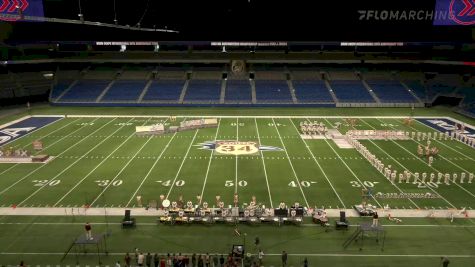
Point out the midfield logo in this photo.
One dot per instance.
(12, 133)
(236, 147)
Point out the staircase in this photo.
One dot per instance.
(253, 92)
(411, 92)
(104, 92)
(145, 90)
(223, 91)
(67, 90)
(370, 91)
(330, 90)
(183, 92)
(292, 91)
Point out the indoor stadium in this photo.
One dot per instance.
(237, 133)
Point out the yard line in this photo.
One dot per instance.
(318, 164)
(346, 165)
(236, 174)
(35, 170)
(150, 170)
(182, 162)
(433, 190)
(17, 164)
(209, 164)
(263, 164)
(97, 166)
(442, 143)
(121, 170)
(72, 164)
(468, 192)
(290, 162)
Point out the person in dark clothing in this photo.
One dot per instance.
(305, 263)
(193, 260)
(284, 258)
(221, 261)
(445, 261)
(148, 260)
(257, 242)
(200, 261)
(215, 260)
(156, 260)
(127, 260)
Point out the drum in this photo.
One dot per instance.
(166, 203)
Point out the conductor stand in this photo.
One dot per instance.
(81, 243)
(365, 231)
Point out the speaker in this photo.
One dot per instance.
(127, 215)
(128, 221)
(342, 216)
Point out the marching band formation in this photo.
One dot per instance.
(313, 128)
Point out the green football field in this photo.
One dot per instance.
(100, 162)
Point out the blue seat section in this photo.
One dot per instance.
(165, 90)
(238, 91)
(59, 88)
(203, 91)
(311, 91)
(125, 90)
(469, 93)
(351, 91)
(438, 88)
(391, 92)
(418, 88)
(272, 91)
(87, 90)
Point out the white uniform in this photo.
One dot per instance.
(462, 177)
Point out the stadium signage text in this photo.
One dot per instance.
(403, 15)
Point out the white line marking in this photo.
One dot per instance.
(430, 188)
(71, 165)
(92, 171)
(182, 163)
(468, 192)
(209, 164)
(151, 168)
(318, 164)
(348, 167)
(35, 170)
(236, 173)
(291, 165)
(263, 164)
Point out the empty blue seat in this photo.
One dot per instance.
(418, 88)
(311, 91)
(391, 92)
(59, 88)
(85, 91)
(272, 91)
(126, 90)
(238, 91)
(164, 90)
(203, 91)
(350, 91)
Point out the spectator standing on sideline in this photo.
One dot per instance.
(221, 261)
(445, 261)
(257, 241)
(163, 262)
(141, 259)
(169, 260)
(260, 256)
(305, 263)
(284, 258)
(148, 260)
(156, 260)
(193, 260)
(88, 229)
(215, 260)
(127, 259)
(22, 264)
(117, 264)
(207, 260)
(200, 261)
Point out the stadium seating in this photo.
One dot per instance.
(164, 90)
(469, 93)
(311, 91)
(391, 91)
(85, 91)
(238, 91)
(351, 91)
(418, 88)
(439, 88)
(124, 90)
(272, 91)
(203, 91)
(59, 88)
